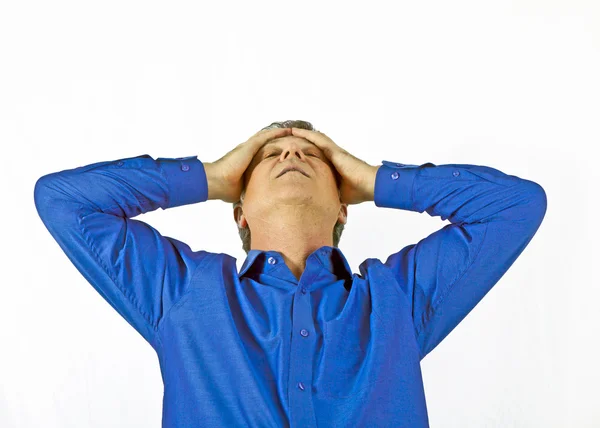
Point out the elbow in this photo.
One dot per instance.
(537, 202)
(42, 194)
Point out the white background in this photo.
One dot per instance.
(511, 85)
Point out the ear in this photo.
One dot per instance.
(343, 214)
(239, 217)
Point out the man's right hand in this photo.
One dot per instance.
(225, 176)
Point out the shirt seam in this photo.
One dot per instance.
(412, 188)
(163, 175)
(131, 298)
(442, 298)
(186, 293)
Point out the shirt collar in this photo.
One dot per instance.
(333, 262)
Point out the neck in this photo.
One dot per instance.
(293, 232)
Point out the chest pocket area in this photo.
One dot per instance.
(343, 369)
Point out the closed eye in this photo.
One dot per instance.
(309, 154)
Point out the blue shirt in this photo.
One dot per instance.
(260, 348)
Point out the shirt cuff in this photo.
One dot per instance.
(186, 180)
(394, 184)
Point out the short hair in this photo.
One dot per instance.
(245, 234)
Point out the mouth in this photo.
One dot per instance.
(286, 170)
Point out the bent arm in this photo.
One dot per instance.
(493, 218)
(89, 211)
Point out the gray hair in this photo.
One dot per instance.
(337, 229)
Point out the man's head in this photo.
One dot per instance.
(317, 188)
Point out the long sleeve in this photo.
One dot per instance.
(493, 218)
(88, 211)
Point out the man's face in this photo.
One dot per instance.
(266, 190)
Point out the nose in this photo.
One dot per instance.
(292, 149)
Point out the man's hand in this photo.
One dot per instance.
(358, 177)
(225, 176)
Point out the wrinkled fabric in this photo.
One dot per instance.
(260, 348)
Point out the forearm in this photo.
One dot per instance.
(461, 193)
(124, 187)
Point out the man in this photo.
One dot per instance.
(295, 338)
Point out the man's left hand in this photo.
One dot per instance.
(358, 177)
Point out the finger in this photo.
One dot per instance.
(262, 137)
(269, 134)
(321, 140)
(316, 137)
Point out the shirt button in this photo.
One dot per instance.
(304, 332)
(272, 260)
(303, 290)
(395, 175)
(301, 386)
(185, 167)
(399, 164)
(456, 173)
(120, 163)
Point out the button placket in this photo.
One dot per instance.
(301, 351)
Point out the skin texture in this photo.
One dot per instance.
(294, 214)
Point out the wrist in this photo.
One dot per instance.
(369, 186)
(213, 179)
